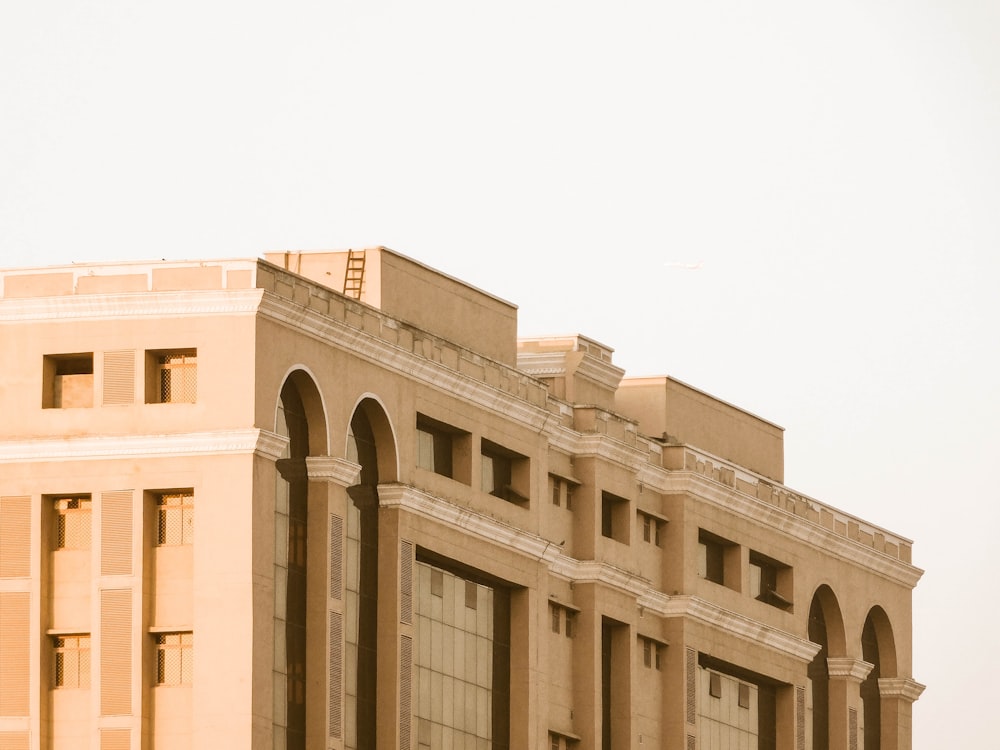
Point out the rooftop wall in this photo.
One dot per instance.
(415, 293)
(678, 413)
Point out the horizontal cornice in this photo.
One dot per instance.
(109, 447)
(813, 534)
(392, 357)
(495, 532)
(482, 527)
(131, 305)
(745, 629)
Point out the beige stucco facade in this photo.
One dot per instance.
(242, 508)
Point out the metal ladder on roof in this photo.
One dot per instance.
(354, 274)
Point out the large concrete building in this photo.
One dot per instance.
(329, 500)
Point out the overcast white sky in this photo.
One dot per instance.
(836, 169)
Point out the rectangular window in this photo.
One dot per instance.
(175, 518)
(716, 557)
(171, 376)
(770, 581)
(461, 664)
(436, 446)
(614, 514)
(72, 522)
(563, 619)
(562, 491)
(71, 662)
(652, 528)
(651, 653)
(504, 473)
(174, 658)
(68, 381)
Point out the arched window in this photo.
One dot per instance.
(370, 444)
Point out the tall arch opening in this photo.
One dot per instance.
(826, 630)
(370, 444)
(299, 418)
(877, 648)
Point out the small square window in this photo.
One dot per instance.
(174, 658)
(171, 376)
(71, 662)
(68, 381)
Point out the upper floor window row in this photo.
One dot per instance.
(170, 376)
(173, 520)
(721, 561)
(448, 451)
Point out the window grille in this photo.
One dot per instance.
(71, 665)
(174, 658)
(177, 377)
(72, 522)
(175, 518)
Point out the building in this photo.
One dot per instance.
(329, 500)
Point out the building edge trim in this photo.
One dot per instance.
(104, 447)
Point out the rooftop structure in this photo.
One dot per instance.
(329, 500)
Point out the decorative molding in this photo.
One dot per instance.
(165, 304)
(488, 529)
(753, 632)
(795, 526)
(848, 668)
(403, 361)
(900, 687)
(94, 447)
(271, 445)
(337, 470)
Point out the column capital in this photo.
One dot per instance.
(270, 444)
(900, 687)
(848, 668)
(332, 469)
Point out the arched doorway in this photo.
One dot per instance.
(300, 418)
(826, 629)
(372, 445)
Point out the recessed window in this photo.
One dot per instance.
(652, 529)
(651, 653)
(716, 557)
(614, 517)
(562, 491)
(175, 518)
(770, 581)
(563, 619)
(71, 661)
(504, 473)
(72, 522)
(68, 381)
(174, 658)
(171, 376)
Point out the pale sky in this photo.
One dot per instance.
(835, 168)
